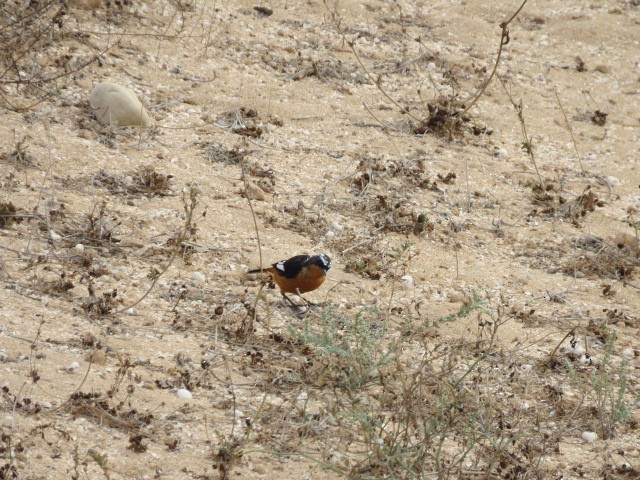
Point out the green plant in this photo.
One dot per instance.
(351, 349)
(608, 385)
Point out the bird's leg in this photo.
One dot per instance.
(309, 304)
(291, 302)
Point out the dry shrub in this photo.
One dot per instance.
(555, 205)
(145, 181)
(8, 215)
(598, 258)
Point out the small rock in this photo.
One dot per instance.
(197, 277)
(611, 181)
(336, 227)
(603, 68)
(407, 281)
(86, 134)
(254, 192)
(97, 357)
(79, 247)
(113, 104)
(73, 367)
(500, 152)
(184, 393)
(589, 436)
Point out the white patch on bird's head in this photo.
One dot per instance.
(321, 260)
(280, 265)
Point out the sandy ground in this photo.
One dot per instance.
(111, 308)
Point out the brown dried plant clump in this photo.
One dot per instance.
(145, 181)
(598, 258)
(8, 214)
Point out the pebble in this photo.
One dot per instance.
(184, 394)
(73, 367)
(113, 104)
(79, 247)
(407, 281)
(197, 277)
(612, 181)
(254, 192)
(589, 436)
(500, 152)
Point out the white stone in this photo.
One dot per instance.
(80, 247)
(589, 436)
(113, 104)
(197, 277)
(184, 393)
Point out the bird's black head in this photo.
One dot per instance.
(321, 260)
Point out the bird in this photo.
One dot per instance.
(299, 274)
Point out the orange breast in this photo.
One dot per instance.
(310, 278)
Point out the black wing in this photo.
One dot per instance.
(291, 268)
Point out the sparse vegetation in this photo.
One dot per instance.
(481, 314)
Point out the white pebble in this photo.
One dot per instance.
(527, 367)
(611, 180)
(73, 367)
(197, 277)
(55, 237)
(407, 281)
(589, 436)
(336, 226)
(431, 66)
(114, 104)
(500, 152)
(46, 405)
(79, 247)
(184, 393)
(627, 352)
(329, 234)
